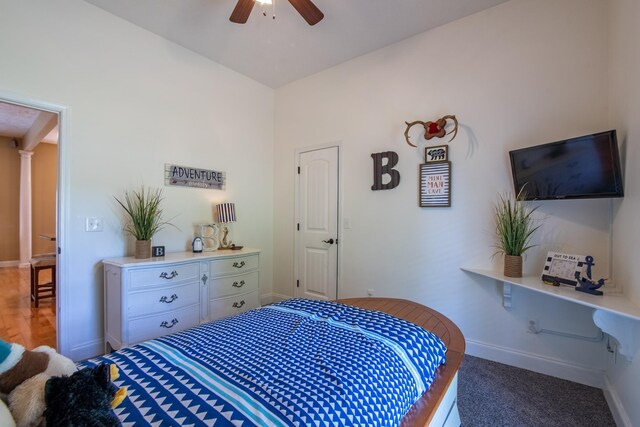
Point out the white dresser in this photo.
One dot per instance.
(148, 298)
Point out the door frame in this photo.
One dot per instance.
(62, 210)
(296, 218)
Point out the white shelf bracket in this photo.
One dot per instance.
(506, 295)
(626, 331)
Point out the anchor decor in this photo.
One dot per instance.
(435, 173)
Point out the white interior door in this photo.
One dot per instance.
(317, 228)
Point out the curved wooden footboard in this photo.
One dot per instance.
(423, 409)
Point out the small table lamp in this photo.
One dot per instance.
(226, 213)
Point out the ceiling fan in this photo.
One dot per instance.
(306, 8)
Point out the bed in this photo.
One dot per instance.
(299, 362)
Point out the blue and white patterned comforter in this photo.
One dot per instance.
(299, 362)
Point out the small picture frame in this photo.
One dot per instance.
(436, 154)
(562, 268)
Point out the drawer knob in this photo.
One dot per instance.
(204, 279)
(239, 264)
(238, 285)
(238, 304)
(166, 324)
(168, 276)
(166, 300)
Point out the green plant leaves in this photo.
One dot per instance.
(145, 214)
(514, 224)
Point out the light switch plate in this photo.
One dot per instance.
(93, 224)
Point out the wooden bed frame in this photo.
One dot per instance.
(438, 405)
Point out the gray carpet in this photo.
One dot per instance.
(493, 394)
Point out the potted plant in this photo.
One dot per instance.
(514, 229)
(145, 217)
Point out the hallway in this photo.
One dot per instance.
(20, 322)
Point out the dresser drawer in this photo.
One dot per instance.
(165, 299)
(221, 267)
(168, 274)
(146, 328)
(233, 285)
(225, 307)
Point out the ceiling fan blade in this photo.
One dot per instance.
(308, 10)
(241, 12)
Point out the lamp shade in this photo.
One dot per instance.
(226, 212)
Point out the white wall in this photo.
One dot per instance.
(136, 102)
(624, 113)
(523, 73)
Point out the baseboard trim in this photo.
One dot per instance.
(9, 264)
(537, 363)
(279, 297)
(272, 298)
(89, 349)
(620, 415)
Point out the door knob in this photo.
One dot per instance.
(330, 241)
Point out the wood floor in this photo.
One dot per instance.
(20, 321)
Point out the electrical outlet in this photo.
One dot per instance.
(370, 292)
(534, 327)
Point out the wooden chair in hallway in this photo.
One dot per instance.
(41, 290)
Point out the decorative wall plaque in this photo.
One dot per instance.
(435, 185)
(380, 170)
(185, 176)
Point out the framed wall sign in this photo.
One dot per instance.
(186, 176)
(435, 185)
(439, 153)
(562, 268)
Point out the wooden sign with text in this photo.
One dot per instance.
(185, 176)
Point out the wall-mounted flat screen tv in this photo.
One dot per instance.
(577, 168)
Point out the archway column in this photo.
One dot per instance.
(25, 208)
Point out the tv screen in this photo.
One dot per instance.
(577, 168)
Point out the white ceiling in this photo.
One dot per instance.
(16, 121)
(276, 52)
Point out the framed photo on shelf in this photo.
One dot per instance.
(562, 268)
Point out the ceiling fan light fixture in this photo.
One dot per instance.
(306, 8)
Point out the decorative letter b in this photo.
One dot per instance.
(379, 170)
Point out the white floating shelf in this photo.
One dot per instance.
(614, 313)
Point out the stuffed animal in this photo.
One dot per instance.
(23, 375)
(84, 398)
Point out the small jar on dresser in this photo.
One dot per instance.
(145, 299)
